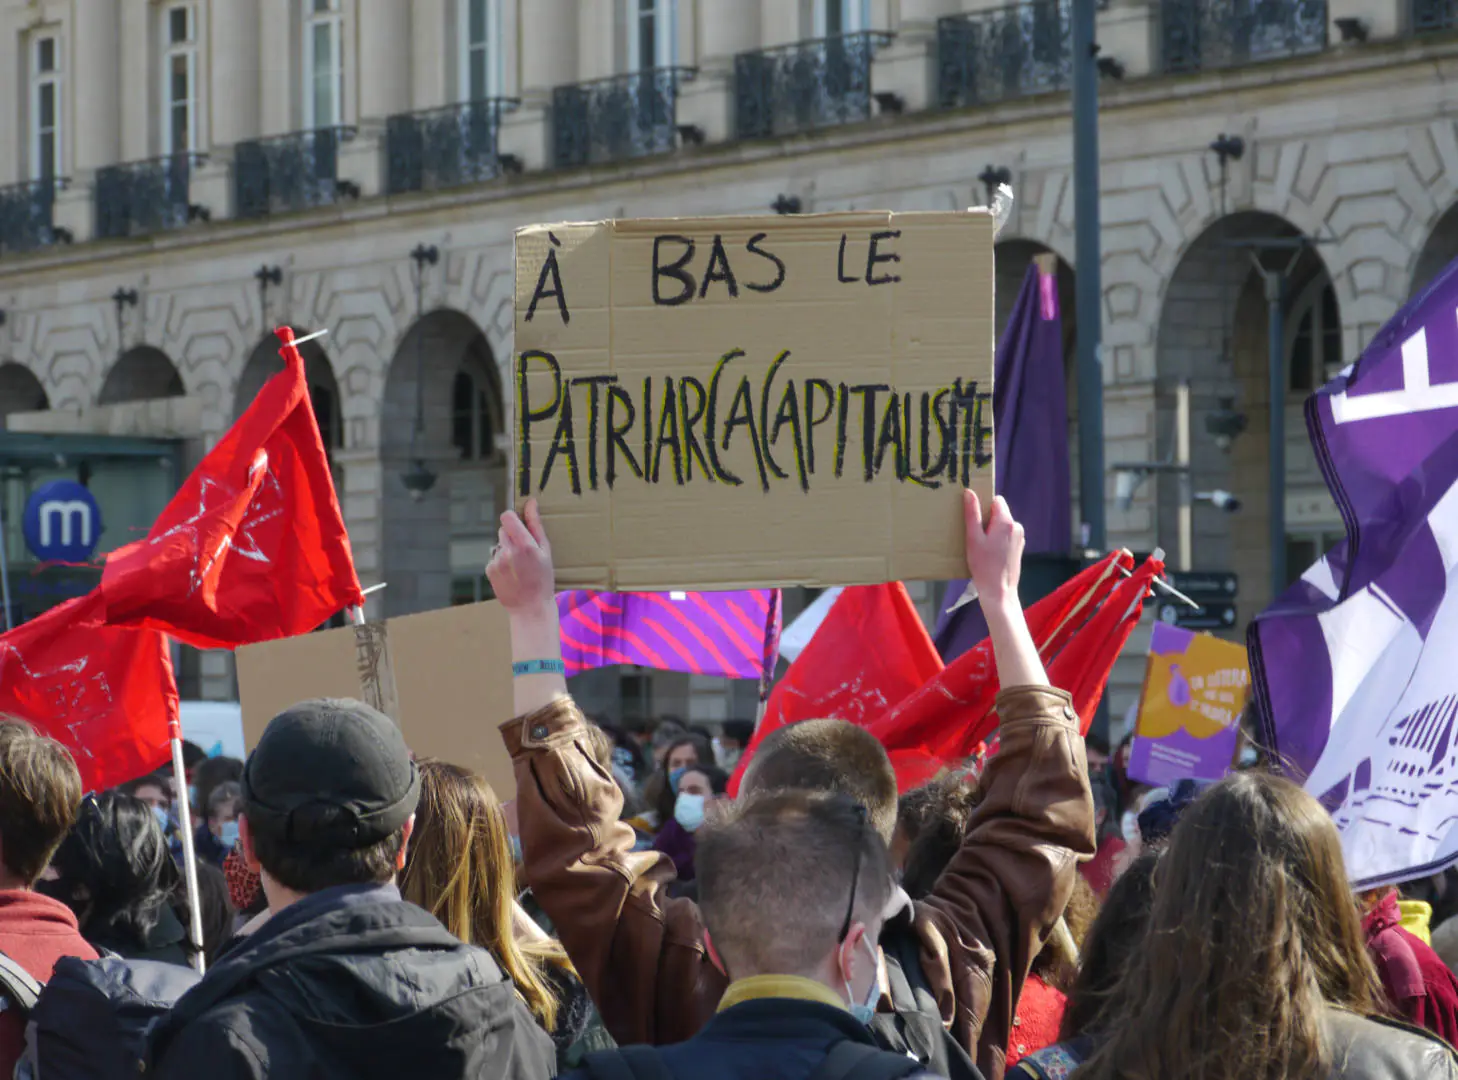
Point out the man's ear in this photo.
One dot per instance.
(714, 954)
(405, 843)
(245, 841)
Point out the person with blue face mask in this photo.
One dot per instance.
(793, 886)
(698, 789)
(217, 835)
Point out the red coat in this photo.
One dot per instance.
(1036, 1020)
(1102, 869)
(35, 932)
(1422, 989)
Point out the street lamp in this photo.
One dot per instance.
(419, 478)
(1128, 476)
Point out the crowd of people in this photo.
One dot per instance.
(368, 914)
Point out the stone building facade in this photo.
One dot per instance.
(178, 177)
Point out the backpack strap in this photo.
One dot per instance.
(627, 1063)
(851, 1060)
(18, 985)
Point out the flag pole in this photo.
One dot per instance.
(189, 852)
(4, 576)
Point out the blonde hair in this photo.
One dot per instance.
(460, 869)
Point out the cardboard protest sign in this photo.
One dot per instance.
(716, 403)
(1195, 686)
(445, 676)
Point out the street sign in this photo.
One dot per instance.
(1206, 584)
(61, 522)
(1213, 614)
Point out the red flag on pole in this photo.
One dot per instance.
(870, 670)
(871, 651)
(953, 712)
(107, 693)
(253, 545)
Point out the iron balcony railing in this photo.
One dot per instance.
(1430, 15)
(140, 197)
(288, 172)
(614, 119)
(1201, 35)
(444, 148)
(27, 215)
(804, 86)
(1008, 52)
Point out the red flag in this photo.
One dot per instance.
(253, 546)
(871, 669)
(870, 652)
(949, 716)
(106, 692)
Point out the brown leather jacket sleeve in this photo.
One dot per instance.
(995, 903)
(640, 953)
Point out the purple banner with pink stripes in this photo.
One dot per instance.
(735, 634)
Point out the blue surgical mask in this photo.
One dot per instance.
(164, 819)
(229, 835)
(864, 1011)
(688, 811)
(191, 794)
(674, 777)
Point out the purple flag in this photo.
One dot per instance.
(1030, 448)
(735, 634)
(1353, 666)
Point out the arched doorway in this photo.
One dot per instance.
(1214, 330)
(1441, 249)
(265, 362)
(20, 391)
(142, 373)
(1013, 257)
(445, 475)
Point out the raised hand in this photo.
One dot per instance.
(520, 570)
(994, 552)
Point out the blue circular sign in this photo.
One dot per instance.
(62, 522)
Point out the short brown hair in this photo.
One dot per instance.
(308, 868)
(828, 755)
(775, 879)
(40, 791)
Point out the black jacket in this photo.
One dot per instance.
(763, 1039)
(165, 941)
(352, 983)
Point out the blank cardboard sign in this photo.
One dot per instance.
(451, 674)
(718, 403)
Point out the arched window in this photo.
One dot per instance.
(472, 431)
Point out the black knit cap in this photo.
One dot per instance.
(330, 773)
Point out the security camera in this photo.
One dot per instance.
(1220, 500)
(1126, 482)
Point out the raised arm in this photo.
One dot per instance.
(1000, 895)
(639, 953)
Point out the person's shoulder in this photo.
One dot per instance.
(1382, 1046)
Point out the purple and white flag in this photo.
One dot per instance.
(735, 634)
(1355, 667)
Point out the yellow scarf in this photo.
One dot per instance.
(1417, 918)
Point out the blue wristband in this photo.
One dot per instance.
(539, 667)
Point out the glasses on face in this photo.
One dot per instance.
(850, 908)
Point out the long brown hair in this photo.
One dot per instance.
(460, 869)
(1253, 932)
